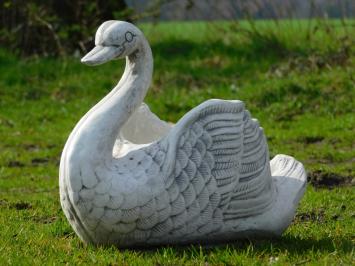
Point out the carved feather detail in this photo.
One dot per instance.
(204, 179)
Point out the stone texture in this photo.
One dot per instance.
(127, 178)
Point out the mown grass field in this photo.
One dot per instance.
(296, 77)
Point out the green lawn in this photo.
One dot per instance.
(299, 86)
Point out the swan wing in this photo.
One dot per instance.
(255, 191)
(218, 159)
(203, 157)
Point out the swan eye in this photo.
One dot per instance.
(129, 36)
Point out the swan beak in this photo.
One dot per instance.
(100, 54)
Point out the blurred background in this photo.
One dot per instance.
(66, 27)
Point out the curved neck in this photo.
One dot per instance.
(96, 135)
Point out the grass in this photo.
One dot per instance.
(301, 89)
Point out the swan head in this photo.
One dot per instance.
(114, 39)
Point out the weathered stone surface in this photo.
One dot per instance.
(128, 178)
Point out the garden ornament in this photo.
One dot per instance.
(129, 179)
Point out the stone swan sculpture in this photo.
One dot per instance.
(129, 179)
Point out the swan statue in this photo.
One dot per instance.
(129, 179)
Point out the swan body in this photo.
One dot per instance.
(129, 179)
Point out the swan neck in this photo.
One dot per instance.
(105, 120)
(133, 86)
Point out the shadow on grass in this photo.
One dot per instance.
(292, 246)
(288, 244)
